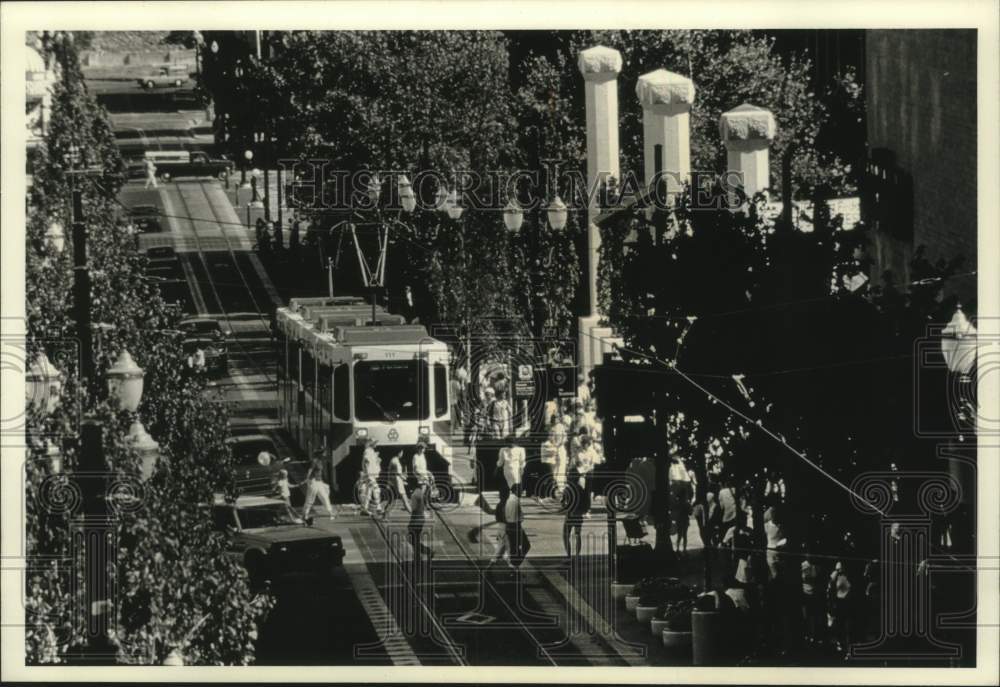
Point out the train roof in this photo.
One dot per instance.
(326, 324)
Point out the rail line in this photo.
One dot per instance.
(463, 562)
(192, 221)
(454, 651)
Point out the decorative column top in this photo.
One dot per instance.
(747, 123)
(599, 62)
(661, 87)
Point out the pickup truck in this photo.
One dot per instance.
(181, 163)
(174, 75)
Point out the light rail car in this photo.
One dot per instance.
(343, 379)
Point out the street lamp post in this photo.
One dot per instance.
(248, 159)
(93, 531)
(959, 343)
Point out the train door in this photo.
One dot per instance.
(307, 396)
(341, 428)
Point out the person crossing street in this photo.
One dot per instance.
(371, 469)
(419, 517)
(316, 488)
(150, 167)
(511, 461)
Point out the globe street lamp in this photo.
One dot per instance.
(557, 214)
(441, 201)
(55, 235)
(53, 458)
(513, 216)
(145, 446)
(958, 344)
(407, 199)
(374, 188)
(453, 207)
(248, 156)
(125, 382)
(43, 384)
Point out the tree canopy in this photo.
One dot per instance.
(176, 588)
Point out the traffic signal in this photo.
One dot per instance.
(562, 382)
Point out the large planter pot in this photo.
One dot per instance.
(677, 642)
(706, 637)
(631, 602)
(644, 613)
(618, 591)
(657, 626)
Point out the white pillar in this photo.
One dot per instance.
(600, 67)
(747, 132)
(666, 100)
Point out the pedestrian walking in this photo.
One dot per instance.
(681, 495)
(584, 462)
(371, 470)
(501, 415)
(513, 542)
(727, 502)
(553, 459)
(419, 516)
(316, 488)
(282, 488)
(419, 465)
(511, 461)
(840, 614)
(398, 480)
(775, 540)
(150, 173)
(576, 504)
(813, 616)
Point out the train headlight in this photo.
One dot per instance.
(361, 433)
(360, 356)
(424, 431)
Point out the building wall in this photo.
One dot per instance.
(921, 98)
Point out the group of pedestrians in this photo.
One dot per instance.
(369, 488)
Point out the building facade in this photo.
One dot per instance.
(920, 186)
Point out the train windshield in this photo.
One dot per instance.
(391, 390)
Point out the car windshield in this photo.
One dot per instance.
(391, 390)
(267, 515)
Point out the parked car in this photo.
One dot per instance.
(135, 142)
(182, 163)
(162, 260)
(208, 327)
(146, 218)
(173, 75)
(272, 541)
(253, 476)
(216, 353)
(172, 290)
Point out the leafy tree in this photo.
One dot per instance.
(176, 589)
(767, 319)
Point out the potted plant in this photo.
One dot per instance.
(670, 596)
(639, 589)
(677, 631)
(656, 592)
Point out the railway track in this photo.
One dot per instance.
(206, 267)
(476, 610)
